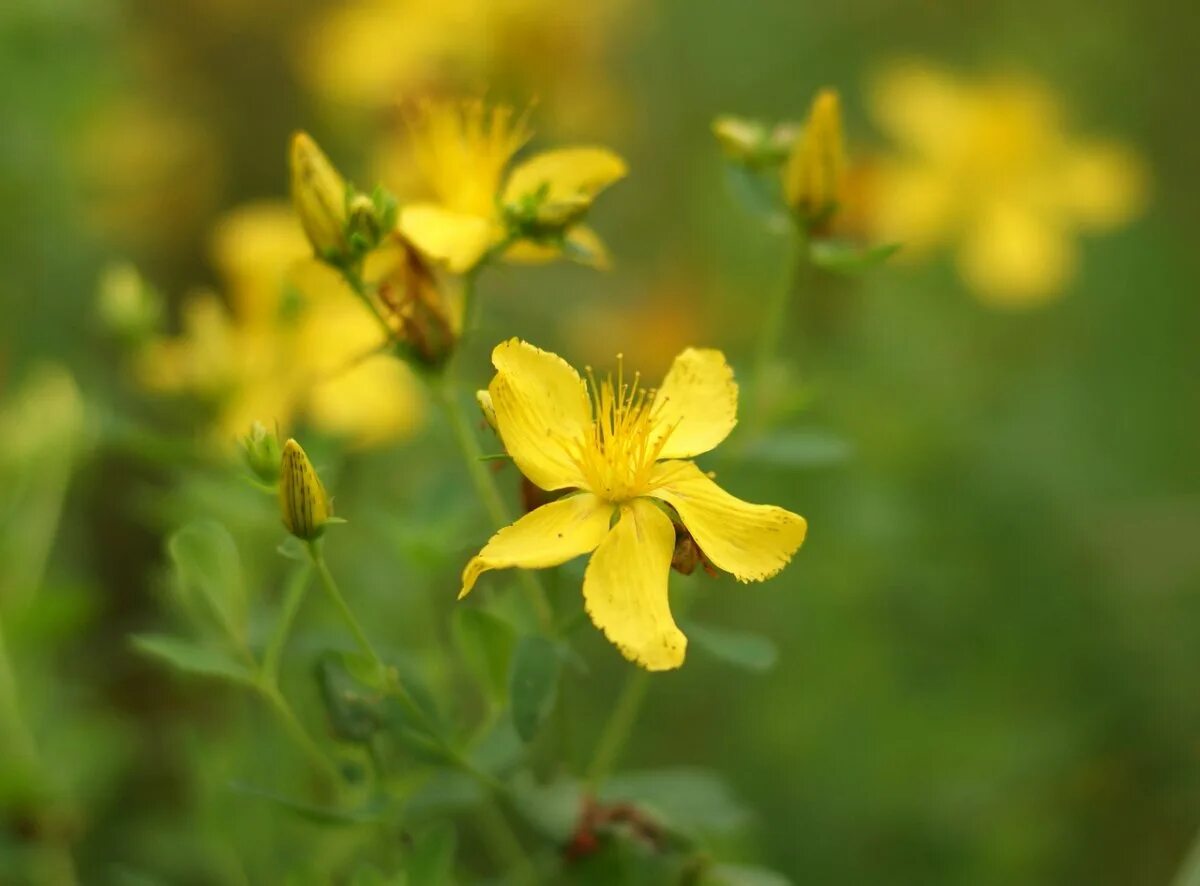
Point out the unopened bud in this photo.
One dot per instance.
(319, 195)
(815, 176)
(127, 306)
(302, 500)
(428, 313)
(484, 399)
(751, 143)
(260, 452)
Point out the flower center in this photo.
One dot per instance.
(619, 449)
(462, 149)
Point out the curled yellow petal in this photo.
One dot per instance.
(566, 180)
(625, 588)
(302, 499)
(548, 536)
(751, 542)
(696, 407)
(542, 411)
(456, 239)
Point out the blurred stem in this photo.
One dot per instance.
(620, 724)
(1189, 872)
(339, 603)
(292, 600)
(774, 322)
(296, 730)
(504, 845)
(353, 276)
(19, 741)
(489, 493)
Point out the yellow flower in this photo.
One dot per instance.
(303, 503)
(814, 178)
(625, 453)
(991, 167)
(292, 341)
(463, 150)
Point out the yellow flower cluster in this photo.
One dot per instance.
(289, 341)
(991, 168)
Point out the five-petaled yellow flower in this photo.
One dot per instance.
(624, 453)
(462, 150)
(992, 166)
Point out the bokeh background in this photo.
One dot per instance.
(986, 660)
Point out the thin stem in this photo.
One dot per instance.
(353, 277)
(489, 493)
(503, 843)
(12, 720)
(280, 705)
(773, 324)
(339, 602)
(620, 724)
(292, 600)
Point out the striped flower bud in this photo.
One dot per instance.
(302, 500)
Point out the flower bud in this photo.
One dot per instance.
(751, 143)
(260, 452)
(484, 399)
(126, 305)
(815, 175)
(426, 310)
(319, 195)
(302, 500)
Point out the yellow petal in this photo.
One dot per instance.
(697, 403)
(455, 239)
(625, 588)
(550, 535)
(921, 106)
(752, 542)
(1015, 256)
(1105, 184)
(569, 175)
(541, 409)
(372, 401)
(583, 245)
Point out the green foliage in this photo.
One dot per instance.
(192, 658)
(209, 576)
(533, 686)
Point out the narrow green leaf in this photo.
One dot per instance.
(208, 568)
(848, 258)
(486, 644)
(355, 709)
(743, 649)
(534, 684)
(374, 811)
(191, 658)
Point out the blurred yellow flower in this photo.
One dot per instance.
(991, 166)
(625, 453)
(462, 150)
(292, 341)
(364, 53)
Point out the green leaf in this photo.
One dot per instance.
(742, 875)
(743, 649)
(848, 258)
(486, 644)
(208, 568)
(534, 684)
(759, 195)
(796, 448)
(186, 656)
(689, 801)
(431, 860)
(355, 708)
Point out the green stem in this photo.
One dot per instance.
(283, 709)
(774, 322)
(12, 722)
(620, 724)
(489, 493)
(339, 603)
(353, 277)
(292, 600)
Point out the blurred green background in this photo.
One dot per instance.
(987, 668)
